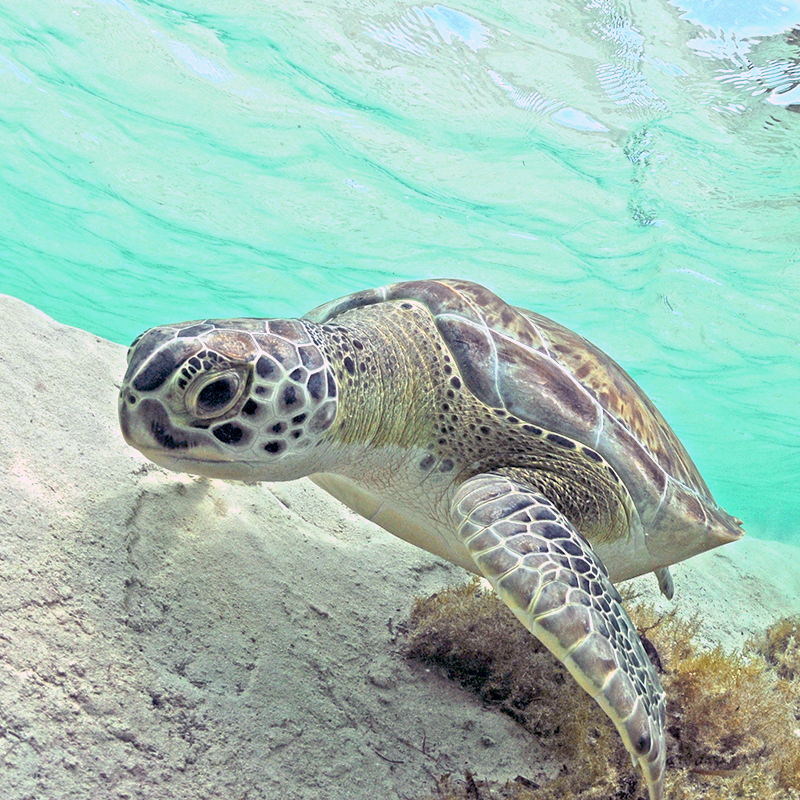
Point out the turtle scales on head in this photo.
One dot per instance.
(486, 434)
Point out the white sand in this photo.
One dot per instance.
(170, 637)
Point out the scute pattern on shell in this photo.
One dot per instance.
(620, 396)
(544, 373)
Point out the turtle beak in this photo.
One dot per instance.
(146, 425)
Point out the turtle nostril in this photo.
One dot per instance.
(131, 399)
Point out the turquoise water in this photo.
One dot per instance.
(630, 169)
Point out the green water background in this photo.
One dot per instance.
(630, 169)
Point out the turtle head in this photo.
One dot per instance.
(239, 399)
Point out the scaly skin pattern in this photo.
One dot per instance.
(453, 421)
(548, 575)
(391, 357)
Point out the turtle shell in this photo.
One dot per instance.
(543, 373)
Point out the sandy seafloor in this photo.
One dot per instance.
(170, 637)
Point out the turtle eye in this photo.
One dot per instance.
(213, 395)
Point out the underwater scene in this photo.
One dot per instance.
(631, 170)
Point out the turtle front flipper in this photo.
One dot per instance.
(549, 576)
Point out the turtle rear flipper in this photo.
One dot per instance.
(549, 576)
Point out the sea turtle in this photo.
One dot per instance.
(486, 434)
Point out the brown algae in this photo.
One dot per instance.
(733, 727)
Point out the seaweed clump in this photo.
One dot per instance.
(733, 718)
(781, 647)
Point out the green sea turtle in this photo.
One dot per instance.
(486, 434)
